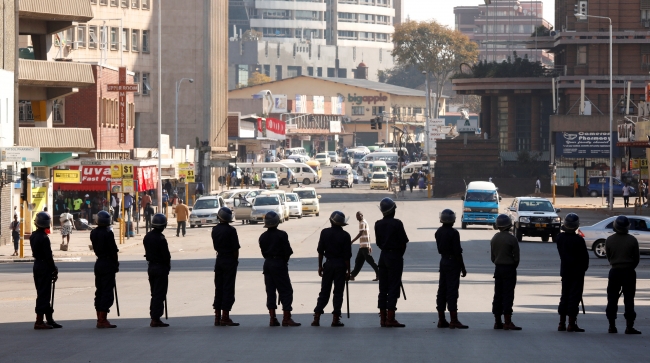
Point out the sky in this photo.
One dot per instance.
(443, 10)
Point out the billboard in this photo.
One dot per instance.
(319, 105)
(301, 104)
(279, 104)
(584, 144)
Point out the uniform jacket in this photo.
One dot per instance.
(225, 240)
(104, 245)
(156, 248)
(274, 244)
(390, 235)
(335, 244)
(622, 250)
(504, 249)
(41, 250)
(574, 257)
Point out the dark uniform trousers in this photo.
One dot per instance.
(505, 279)
(572, 288)
(391, 265)
(363, 256)
(448, 285)
(276, 278)
(625, 279)
(43, 282)
(333, 272)
(104, 284)
(158, 282)
(225, 273)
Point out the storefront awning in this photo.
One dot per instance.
(60, 139)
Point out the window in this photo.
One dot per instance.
(381, 37)
(310, 71)
(146, 4)
(378, 110)
(146, 87)
(114, 38)
(366, 18)
(319, 72)
(345, 34)
(114, 2)
(331, 72)
(294, 71)
(136, 4)
(267, 70)
(349, 17)
(358, 110)
(94, 2)
(81, 36)
(92, 37)
(145, 41)
(242, 75)
(276, 32)
(103, 2)
(125, 3)
(136, 80)
(278, 73)
(135, 40)
(125, 39)
(25, 111)
(57, 111)
(343, 73)
(582, 54)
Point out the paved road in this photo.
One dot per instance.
(193, 338)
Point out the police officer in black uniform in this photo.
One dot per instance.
(574, 262)
(159, 258)
(504, 251)
(336, 245)
(276, 250)
(45, 272)
(226, 243)
(623, 254)
(106, 266)
(451, 268)
(391, 239)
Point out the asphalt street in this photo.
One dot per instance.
(192, 338)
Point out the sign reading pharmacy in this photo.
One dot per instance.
(584, 144)
(20, 154)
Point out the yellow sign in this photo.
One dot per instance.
(127, 171)
(189, 178)
(67, 176)
(127, 186)
(116, 171)
(39, 201)
(186, 172)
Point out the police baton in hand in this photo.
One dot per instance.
(347, 296)
(403, 293)
(53, 288)
(166, 318)
(117, 302)
(582, 301)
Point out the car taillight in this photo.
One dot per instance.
(581, 234)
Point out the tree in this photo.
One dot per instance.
(434, 48)
(403, 76)
(258, 78)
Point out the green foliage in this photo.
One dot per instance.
(403, 76)
(520, 67)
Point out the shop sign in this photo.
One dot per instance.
(437, 122)
(367, 99)
(116, 171)
(127, 186)
(279, 103)
(65, 176)
(305, 137)
(335, 127)
(39, 201)
(20, 154)
(272, 128)
(467, 126)
(186, 172)
(584, 144)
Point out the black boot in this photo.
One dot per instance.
(630, 327)
(336, 321)
(562, 325)
(442, 320)
(273, 320)
(51, 322)
(573, 325)
(612, 326)
(316, 321)
(498, 324)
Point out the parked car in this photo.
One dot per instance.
(534, 217)
(597, 234)
(264, 204)
(379, 180)
(230, 195)
(252, 194)
(323, 159)
(270, 179)
(295, 205)
(355, 177)
(597, 185)
(334, 157)
(242, 210)
(309, 199)
(205, 210)
(283, 201)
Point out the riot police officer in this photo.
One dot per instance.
(226, 243)
(106, 266)
(452, 267)
(505, 256)
(391, 239)
(159, 259)
(45, 272)
(574, 262)
(623, 254)
(276, 250)
(336, 245)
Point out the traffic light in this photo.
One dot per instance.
(580, 8)
(373, 123)
(23, 183)
(379, 122)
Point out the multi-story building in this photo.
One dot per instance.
(504, 27)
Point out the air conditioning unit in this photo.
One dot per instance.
(75, 45)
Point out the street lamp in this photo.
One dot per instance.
(178, 88)
(611, 104)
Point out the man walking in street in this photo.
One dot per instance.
(626, 195)
(182, 214)
(276, 251)
(574, 262)
(226, 243)
(504, 250)
(335, 245)
(106, 266)
(623, 254)
(365, 250)
(14, 227)
(391, 239)
(452, 267)
(159, 259)
(45, 271)
(538, 187)
(128, 204)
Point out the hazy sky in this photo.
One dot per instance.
(443, 10)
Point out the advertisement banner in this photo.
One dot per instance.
(186, 172)
(97, 177)
(116, 171)
(279, 104)
(127, 171)
(127, 186)
(301, 104)
(67, 176)
(319, 105)
(20, 154)
(336, 104)
(39, 201)
(584, 144)
(467, 126)
(274, 129)
(335, 127)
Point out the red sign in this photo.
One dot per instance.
(275, 129)
(122, 88)
(97, 178)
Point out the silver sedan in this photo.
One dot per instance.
(596, 235)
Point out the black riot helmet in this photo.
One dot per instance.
(42, 220)
(103, 218)
(271, 219)
(571, 222)
(503, 222)
(447, 216)
(621, 225)
(387, 206)
(225, 215)
(338, 219)
(159, 221)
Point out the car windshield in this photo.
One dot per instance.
(536, 206)
(333, 153)
(481, 196)
(379, 176)
(292, 198)
(253, 194)
(227, 195)
(340, 172)
(268, 175)
(321, 156)
(261, 201)
(306, 194)
(358, 156)
(206, 204)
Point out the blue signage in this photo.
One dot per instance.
(584, 144)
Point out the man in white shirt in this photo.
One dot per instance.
(626, 195)
(538, 186)
(365, 249)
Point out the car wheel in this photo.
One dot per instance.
(599, 249)
(463, 225)
(283, 181)
(192, 226)
(253, 222)
(317, 214)
(545, 238)
(518, 234)
(199, 226)
(593, 193)
(300, 216)
(306, 181)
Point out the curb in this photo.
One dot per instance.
(56, 259)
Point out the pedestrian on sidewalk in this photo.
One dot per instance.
(182, 214)
(14, 227)
(412, 182)
(115, 204)
(128, 204)
(538, 186)
(144, 201)
(626, 195)
(504, 251)
(226, 243)
(106, 266)
(578, 189)
(45, 272)
(165, 200)
(148, 215)
(67, 221)
(159, 259)
(365, 249)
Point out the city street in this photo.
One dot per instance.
(192, 337)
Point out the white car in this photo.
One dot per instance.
(597, 234)
(334, 157)
(270, 179)
(252, 194)
(264, 204)
(205, 210)
(534, 217)
(230, 195)
(295, 205)
(309, 199)
(379, 180)
(323, 159)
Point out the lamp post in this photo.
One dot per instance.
(178, 88)
(611, 105)
(159, 191)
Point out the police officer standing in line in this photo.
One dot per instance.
(505, 256)
(276, 250)
(451, 268)
(159, 258)
(226, 243)
(391, 239)
(336, 245)
(623, 254)
(574, 262)
(45, 272)
(106, 266)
